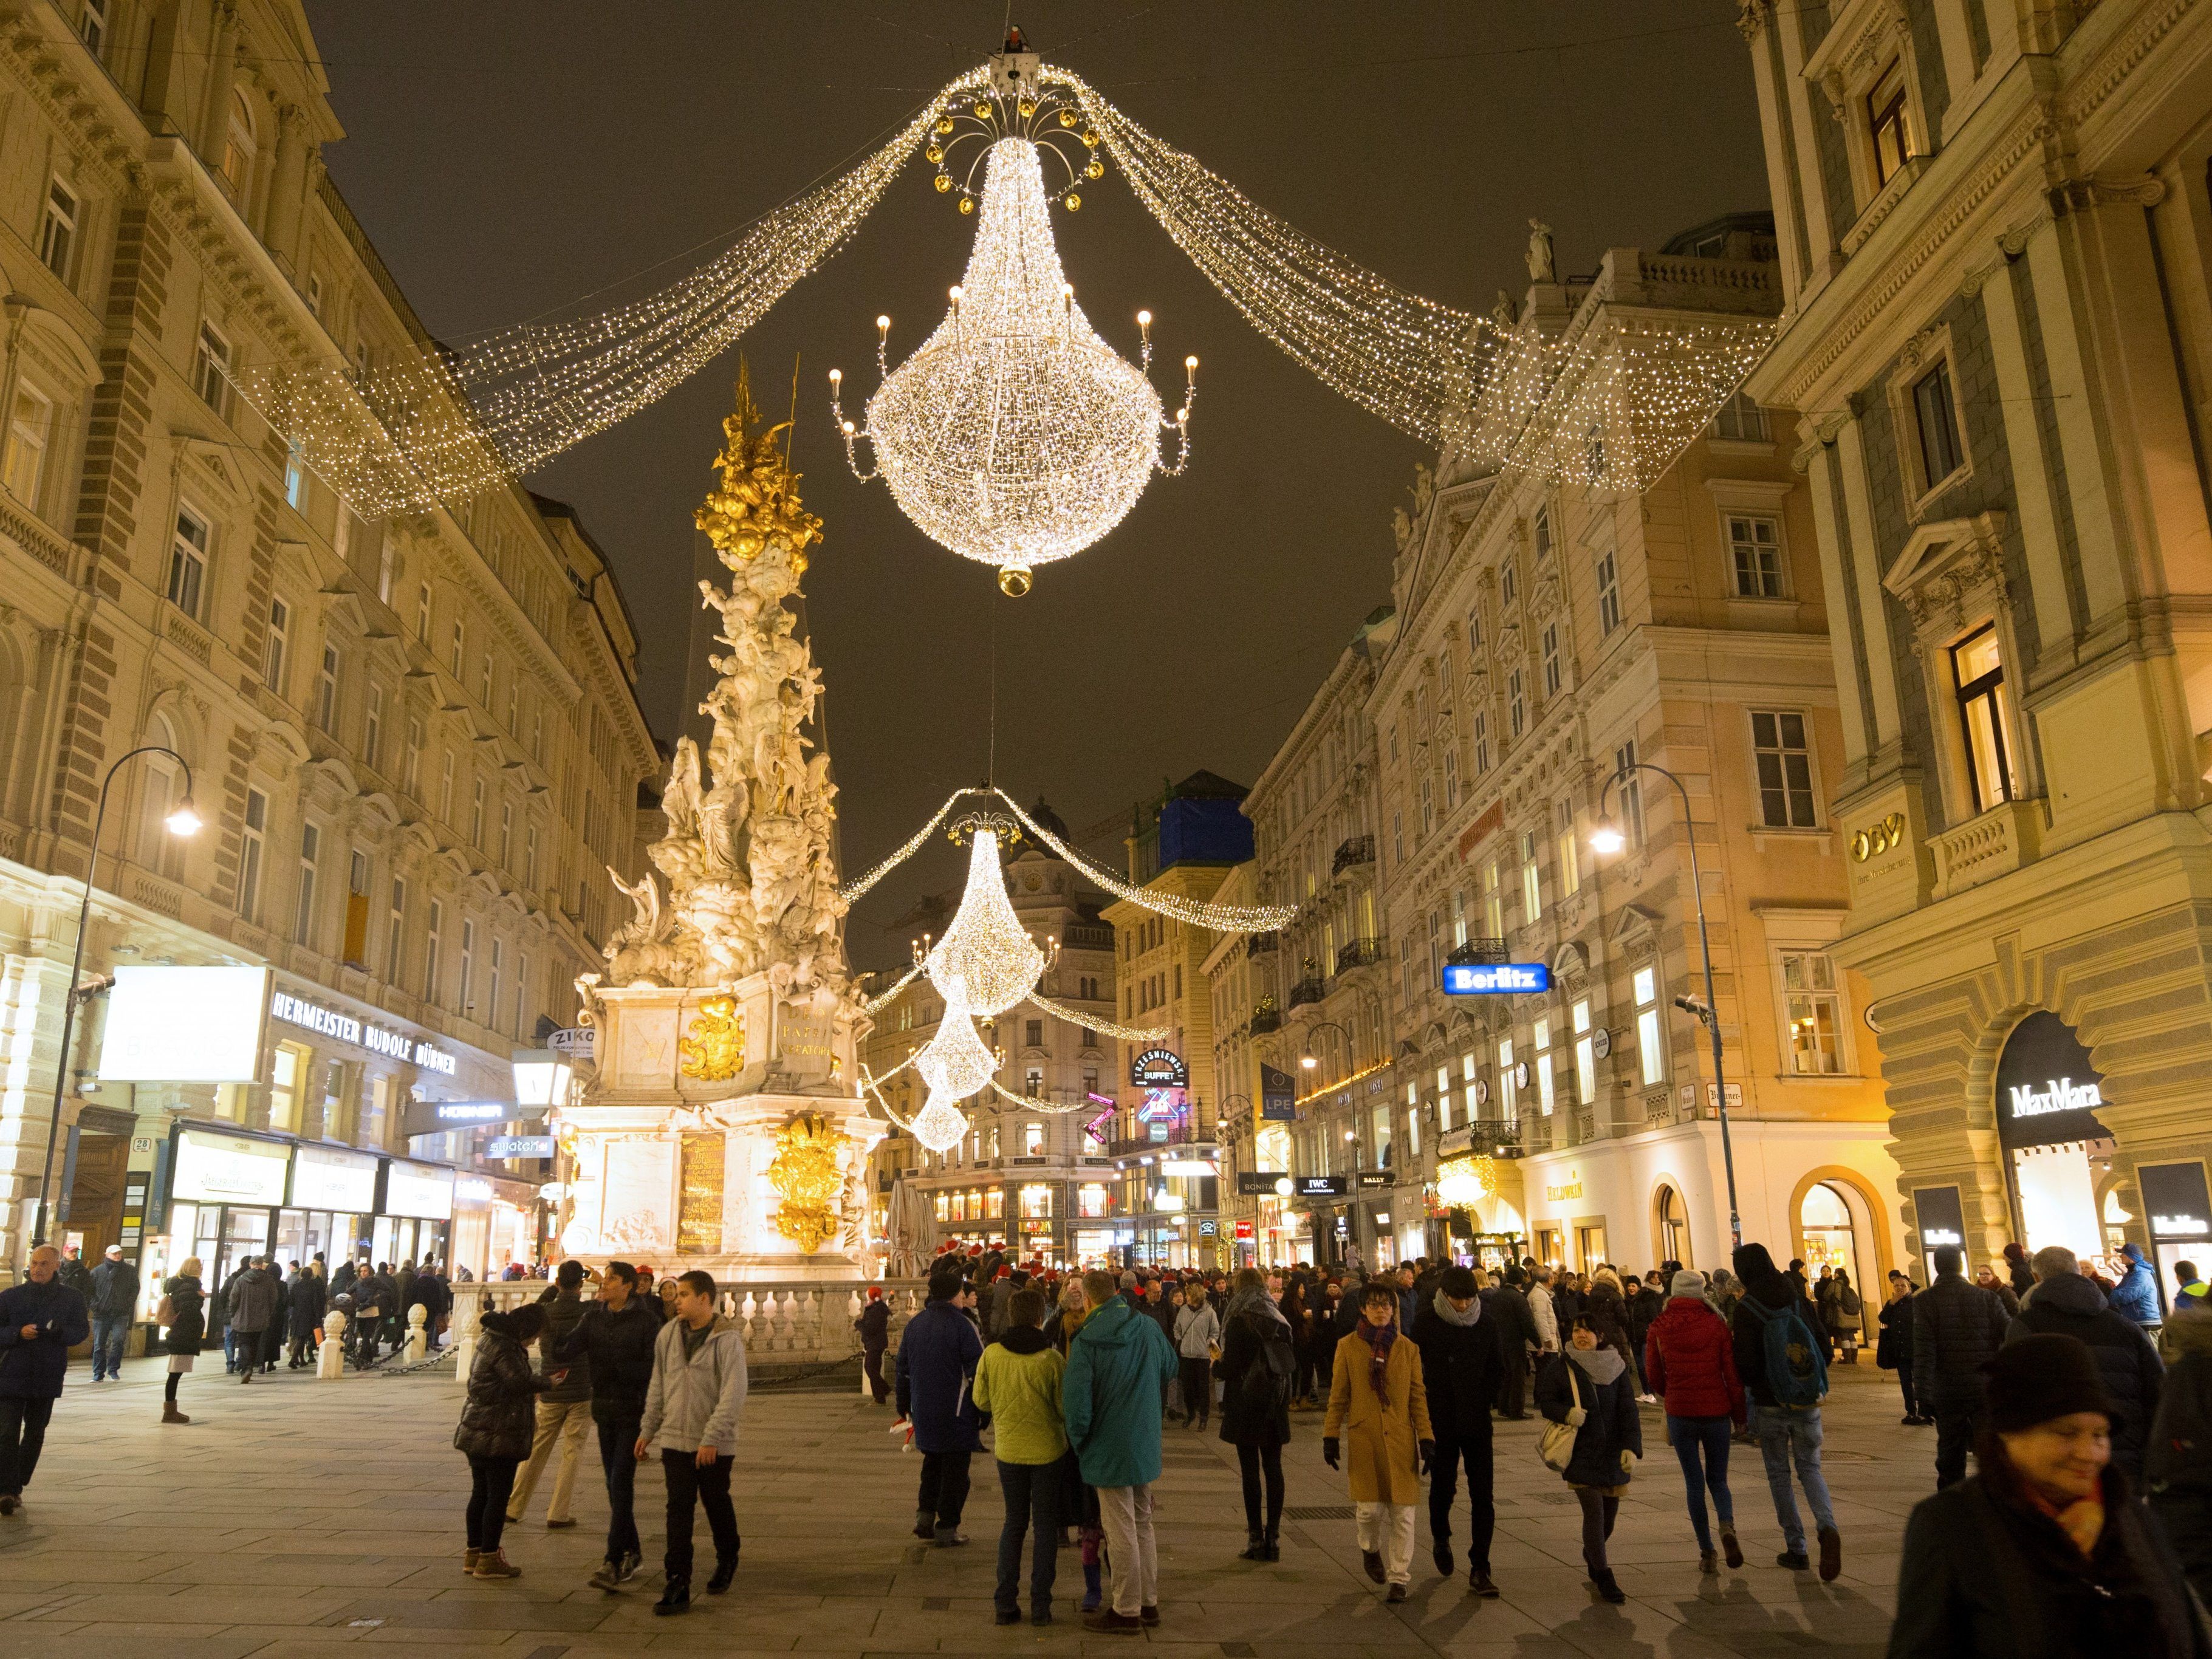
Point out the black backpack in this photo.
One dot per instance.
(1271, 1380)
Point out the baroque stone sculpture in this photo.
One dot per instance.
(752, 881)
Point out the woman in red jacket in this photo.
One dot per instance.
(1689, 1362)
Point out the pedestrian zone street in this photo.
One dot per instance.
(292, 1514)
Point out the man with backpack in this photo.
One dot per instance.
(1957, 1329)
(1781, 1359)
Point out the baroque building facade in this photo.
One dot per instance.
(416, 743)
(1992, 223)
(1434, 807)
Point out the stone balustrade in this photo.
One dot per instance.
(784, 1322)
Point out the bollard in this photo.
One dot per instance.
(329, 1356)
(418, 1340)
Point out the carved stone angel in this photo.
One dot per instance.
(1543, 261)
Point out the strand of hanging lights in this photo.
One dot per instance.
(1606, 406)
(1222, 918)
(1092, 1022)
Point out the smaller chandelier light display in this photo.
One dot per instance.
(1015, 436)
(986, 962)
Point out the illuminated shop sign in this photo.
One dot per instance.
(377, 1039)
(1159, 1068)
(2176, 1197)
(1475, 979)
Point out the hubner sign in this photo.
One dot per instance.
(377, 1039)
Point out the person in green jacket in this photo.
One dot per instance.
(1018, 1382)
(1117, 1366)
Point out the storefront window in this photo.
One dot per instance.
(952, 1206)
(1092, 1199)
(995, 1203)
(1036, 1203)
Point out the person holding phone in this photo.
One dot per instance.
(40, 1320)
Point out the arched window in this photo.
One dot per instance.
(239, 146)
(1673, 1228)
(161, 789)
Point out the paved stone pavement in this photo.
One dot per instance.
(292, 1514)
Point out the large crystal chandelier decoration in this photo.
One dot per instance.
(1015, 436)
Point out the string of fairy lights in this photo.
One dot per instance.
(1608, 407)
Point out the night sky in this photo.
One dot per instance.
(552, 157)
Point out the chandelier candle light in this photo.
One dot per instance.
(1015, 436)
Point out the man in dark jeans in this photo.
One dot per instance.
(1957, 1327)
(937, 1358)
(1462, 1366)
(617, 1332)
(40, 1320)
(114, 1305)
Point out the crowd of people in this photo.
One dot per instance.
(2082, 1394)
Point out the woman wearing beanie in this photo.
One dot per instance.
(1594, 1379)
(498, 1421)
(1689, 1362)
(2041, 1553)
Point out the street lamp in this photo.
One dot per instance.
(1606, 838)
(1308, 1060)
(181, 821)
(541, 1078)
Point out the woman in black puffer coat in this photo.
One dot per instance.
(187, 1329)
(497, 1425)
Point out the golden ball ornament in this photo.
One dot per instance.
(1090, 139)
(944, 182)
(934, 154)
(1096, 170)
(1073, 201)
(967, 204)
(1027, 108)
(945, 123)
(1014, 581)
(983, 109)
(1067, 117)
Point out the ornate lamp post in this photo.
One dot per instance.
(1605, 838)
(182, 820)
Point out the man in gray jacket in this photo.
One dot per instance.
(253, 1297)
(692, 1412)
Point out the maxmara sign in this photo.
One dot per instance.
(2059, 1095)
(377, 1039)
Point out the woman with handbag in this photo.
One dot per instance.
(1595, 1437)
(183, 1316)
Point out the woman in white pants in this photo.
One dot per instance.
(1378, 1403)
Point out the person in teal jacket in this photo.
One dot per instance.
(1117, 1367)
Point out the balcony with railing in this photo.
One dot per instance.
(1494, 1137)
(1265, 1020)
(1479, 953)
(1087, 936)
(1353, 851)
(1357, 953)
(1309, 989)
(1260, 945)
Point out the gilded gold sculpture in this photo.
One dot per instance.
(805, 1172)
(758, 498)
(715, 1050)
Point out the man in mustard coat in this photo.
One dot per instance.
(1376, 1394)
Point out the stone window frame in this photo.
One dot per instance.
(1951, 580)
(1809, 930)
(1758, 498)
(1865, 39)
(1921, 354)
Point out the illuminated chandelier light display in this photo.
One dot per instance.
(986, 962)
(1015, 436)
(1609, 407)
(939, 1126)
